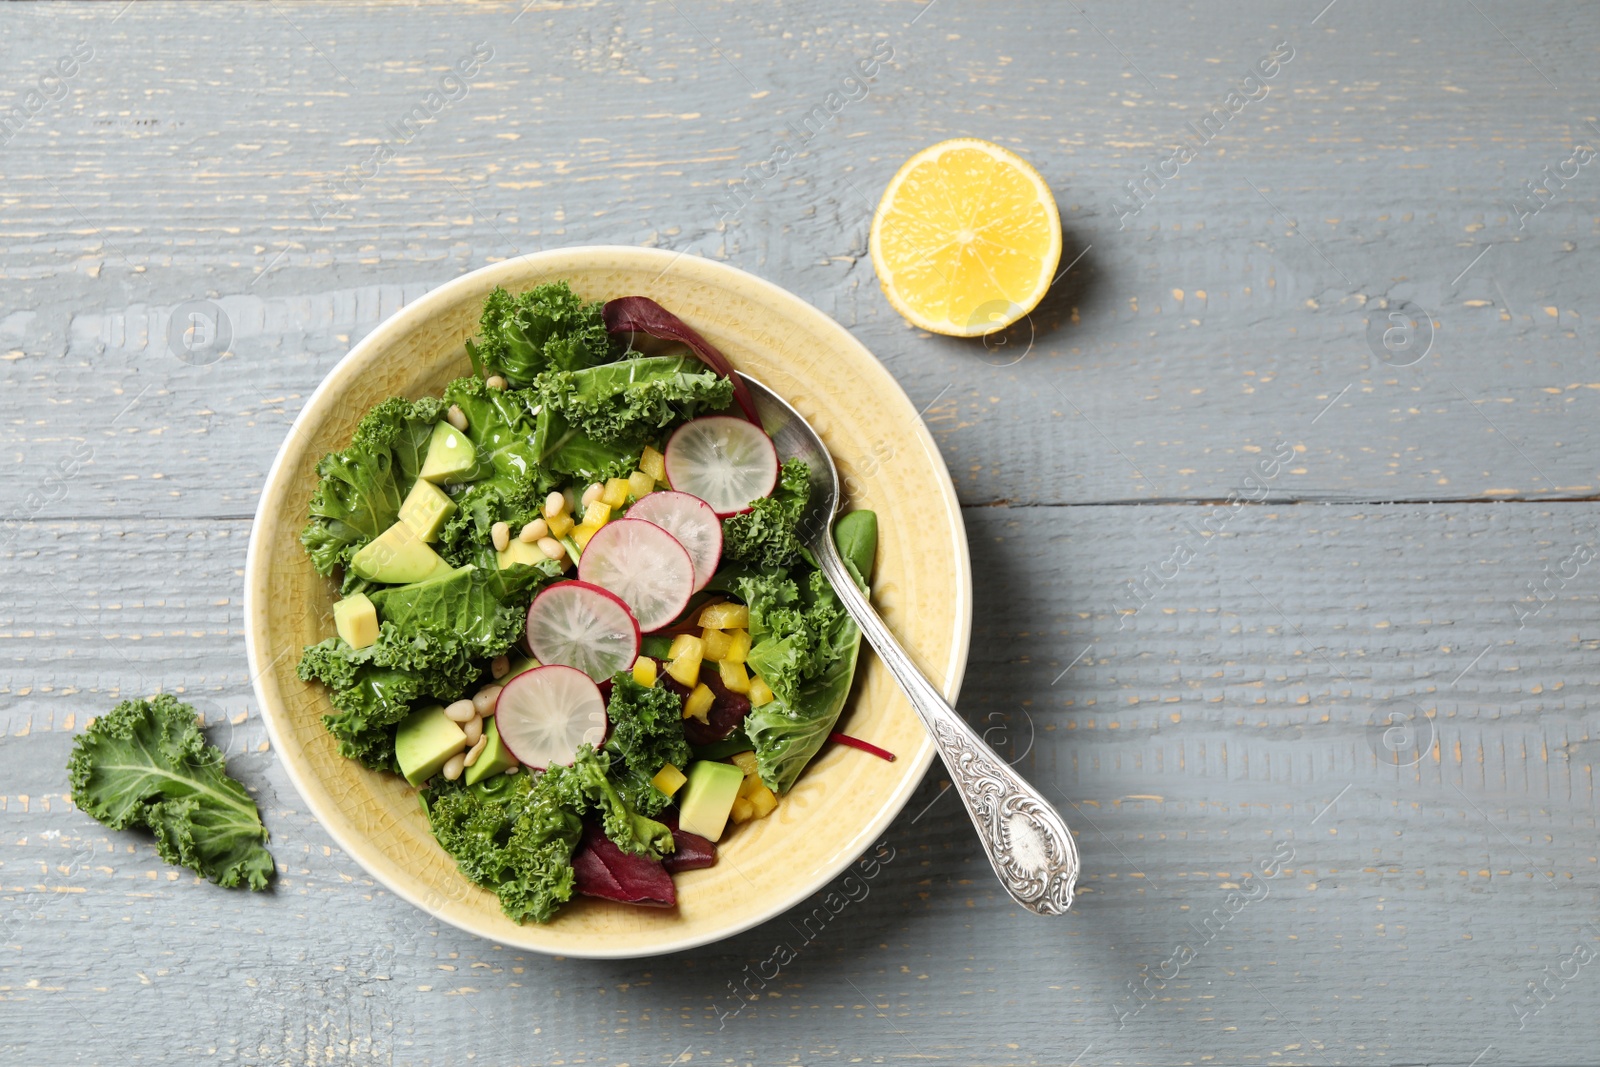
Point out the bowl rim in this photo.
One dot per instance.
(274, 486)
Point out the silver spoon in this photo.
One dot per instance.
(1028, 843)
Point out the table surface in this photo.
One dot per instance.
(1281, 507)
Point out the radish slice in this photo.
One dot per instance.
(692, 522)
(644, 565)
(725, 461)
(543, 715)
(576, 624)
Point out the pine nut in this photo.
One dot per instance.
(591, 494)
(513, 770)
(554, 504)
(473, 728)
(552, 548)
(460, 711)
(494, 381)
(475, 751)
(483, 702)
(455, 765)
(534, 530)
(499, 666)
(500, 534)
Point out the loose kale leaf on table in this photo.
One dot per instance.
(147, 764)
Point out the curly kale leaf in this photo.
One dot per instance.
(547, 327)
(646, 733)
(361, 488)
(631, 401)
(511, 834)
(147, 764)
(768, 534)
(587, 786)
(432, 639)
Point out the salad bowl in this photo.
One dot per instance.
(840, 807)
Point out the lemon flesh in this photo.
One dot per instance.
(966, 238)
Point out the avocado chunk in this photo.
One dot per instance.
(519, 551)
(427, 509)
(423, 742)
(450, 455)
(519, 666)
(708, 798)
(494, 759)
(356, 620)
(398, 556)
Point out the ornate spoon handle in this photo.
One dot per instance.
(1028, 843)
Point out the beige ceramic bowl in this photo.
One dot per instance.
(844, 800)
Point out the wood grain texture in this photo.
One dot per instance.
(1364, 697)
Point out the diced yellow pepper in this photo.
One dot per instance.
(745, 761)
(752, 782)
(640, 484)
(717, 644)
(725, 616)
(683, 643)
(739, 646)
(734, 678)
(699, 703)
(669, 779)
(742, 811)
(615, 494)
(560, 526)
(596, 513)
(654, 464)
(759, 693)
(583, 531)
(762, 800)
(644, 671)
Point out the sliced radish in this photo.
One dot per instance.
(692, 522)
(543, 715)
(576, 624)
(644, 565)
(723, 460)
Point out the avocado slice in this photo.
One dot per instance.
(494, 759)
(356, 620)
(398, 556)
(708, 798)
(423, 742)
(518, 666)
(427, 509)
(450, 455)
(519, 551)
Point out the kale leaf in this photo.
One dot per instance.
(768, 534)
(646, 733)
(361, 488)
(547, 327)
(631, 401)
(804, 646)
(146, 763)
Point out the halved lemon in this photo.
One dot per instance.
(966, 238)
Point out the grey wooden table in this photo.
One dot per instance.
(1282, 507)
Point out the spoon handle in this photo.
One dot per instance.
(1028, 843)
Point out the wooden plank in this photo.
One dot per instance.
(1177, 349)
(1204, 737)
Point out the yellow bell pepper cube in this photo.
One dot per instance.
(597, 513)
(641, 484)
(742, 811)
(654, 464)
(738, 647)
(669, 779)
(725, 616)
(759, 693)
(745, 761)
(699, 703)
(644, 671)
(762, 800)
(683, 643)
(717, 644)
(561, 525)
(734, 678)
(685, 667)
(615, 494)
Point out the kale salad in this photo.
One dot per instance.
(574, 609)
